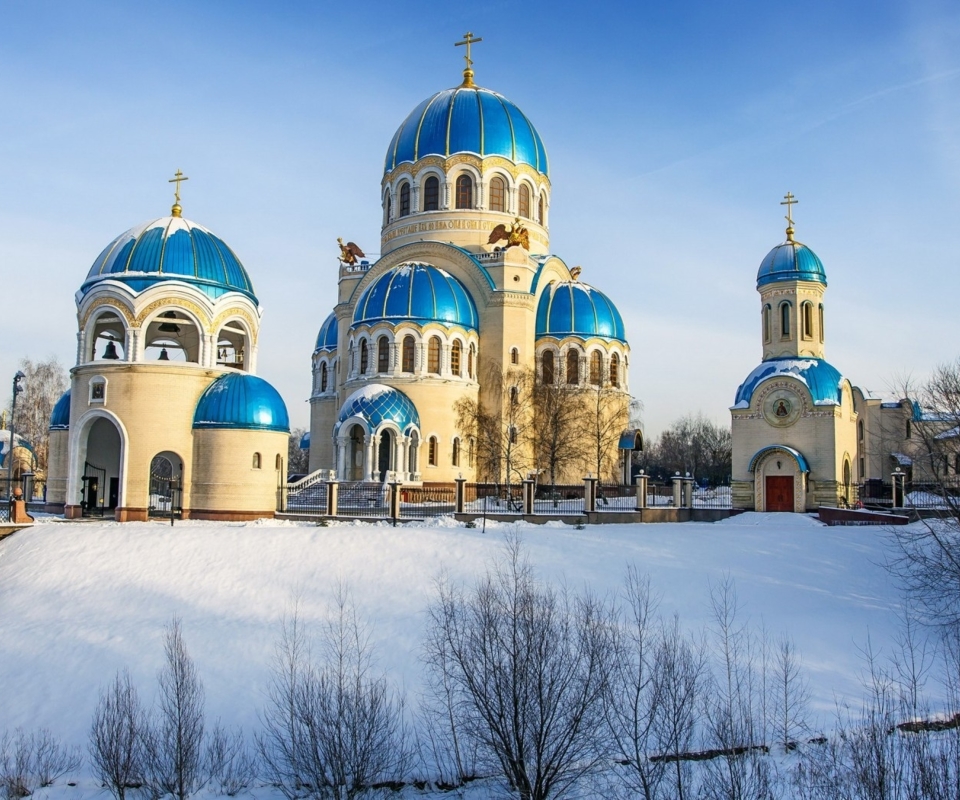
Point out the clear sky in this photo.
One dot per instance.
(673, 131)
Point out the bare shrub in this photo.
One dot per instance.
(17, 773)
(116, 736)
(229, 763)
(51, 759)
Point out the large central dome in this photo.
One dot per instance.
(467, 119)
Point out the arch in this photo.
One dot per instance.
(106, 335)
(498, 194)
(173, 335)
(796, 455)
(323, 377)
(278, 463)
(847, 479)
(386, 448)
(364, 356)
(615, 371)
(807, 314)
(455, 456)
(233, 342)
(780, 476)
(573, 366)
(431, 193)
(785, 320)
(456, 357)
(464, 191)
(408, 360)
(766, 323)
(432, 451)
(354, 444)
(523, 201)
(433, 355)
(596, 368)
(257, 461)
(387, 208)
(547, 367)
(85, 443)
(514, 355)
(383, 354)
(404, 199)
(165, 479)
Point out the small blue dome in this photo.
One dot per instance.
(327, 338)
(239, 400)
(171, 249)
(60, 418)
(822, 379)
(571, 308)
(467, 119)
(376, 403)
(418, 292)
(791, 261)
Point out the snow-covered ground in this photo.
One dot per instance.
(78, 601)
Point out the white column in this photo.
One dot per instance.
(341, 459)
(81, 341)
(399, 467)
(445, 203)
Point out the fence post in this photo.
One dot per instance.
(677, 490)
(394, 500)
(589, 494)
(528, 496)
(641, 482)
(333, 497)
(688, 491)
(459, 503)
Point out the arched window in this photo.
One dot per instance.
(383, 354)
(540, 210)
(364, 357)
(470, 356)
(514, 395)
(573, 366)
(523, 201)
(766, 323)
(513, 434)
(596, 366)
(464, 192)
(256, 461)
(615, 370)
(784, 320)
(456, 351)
(514, 355)
(821, 322)
(323, 377)
(404, 199)
(860, 431)
(386, 211)
(407, 356)
(279, 461)
(547, 367)
(432, 451)
(433, 355)
(807, 320)
(470, 453)
(498, 193)
(456, 453)
(431, 194)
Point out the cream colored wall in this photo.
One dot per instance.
(57, 466)
(224, 477)
(796, 293)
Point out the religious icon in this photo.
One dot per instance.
(97, 391)
(782, 409)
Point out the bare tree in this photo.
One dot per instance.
(229, 764)
(528, 665)
(693, 444)
(605, 415)
(557, 429)
(44, 384)
(298, 461)
(174, 742)
(116, 736)
(32, 760)
(791, 694)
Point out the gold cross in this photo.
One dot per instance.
(789, 201)
(468, 40)
(179, 176)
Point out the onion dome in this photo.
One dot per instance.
(572, 308)
(467, 119)
(377, 403)
(822, 379)
(242, 401)
(327, 338)
(791, 261)
(60, 418)
(419, 293)
(171, 249)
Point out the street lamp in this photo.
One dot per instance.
(17, 388)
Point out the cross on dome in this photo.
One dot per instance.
(177, 178)
(468, 39)
(789, 201)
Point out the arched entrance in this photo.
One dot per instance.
(780, 479)
(100, 476)
(166, 485)
(385, 450)
(355, 454)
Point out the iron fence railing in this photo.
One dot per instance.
(310, 499)
(558, 499)
(712, 497)
(659, 493)
(363, 500)
(616, 497)
(429, 500)
(493, 498)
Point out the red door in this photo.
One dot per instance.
(779, 493)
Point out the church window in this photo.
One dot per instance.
(431, 194)
(364, 357)
(821, 323)
(615, 370)
(256, 461)
(514, 355)
(908, 429)
(546, 367)
(513, 434)
(433, 355)
(408, 349)
(383, 354)
(456, 351)
(278, 461)
(766, 323)
(470, 357)
(540, 210)
(498, 194)
(464, 192)
(523, 201)
(432, 451)
(596, 365)
(404, 199)
(784, 320)
(807, 320)
(386, 211)
(456, 453)
(323, 377)
(573, 366)
(514, 395)
(860, 431)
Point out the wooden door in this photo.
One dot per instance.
(779, 493)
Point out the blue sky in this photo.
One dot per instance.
(673, 132)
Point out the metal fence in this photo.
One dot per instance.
(558, 499)
(713, 496)
(916, 494)
(429, 500)
(304, 500)
(616, 497)
(659, 493)
(362, 499)
(493, 498)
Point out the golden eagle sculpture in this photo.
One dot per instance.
(349, 252)
(515, 234)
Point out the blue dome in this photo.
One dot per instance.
(376, 403)
(60, 418)
(822, 379)
(791, 261)
(327, 338)
(171, 249)
(571, 308)
(239, 400)
(418, 292)
(467, 119)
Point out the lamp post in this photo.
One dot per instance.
(17, 388)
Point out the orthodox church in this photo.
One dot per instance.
(464, 294)
(165, 413)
